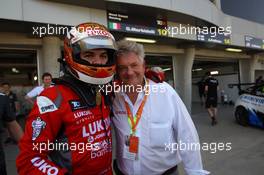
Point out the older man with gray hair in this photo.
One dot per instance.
(151, 122)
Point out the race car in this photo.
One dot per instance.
(249, 107)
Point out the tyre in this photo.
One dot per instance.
(241, 115)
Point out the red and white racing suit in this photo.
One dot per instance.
(87, 130)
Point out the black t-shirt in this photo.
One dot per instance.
(6, 114)
(212, 84)
(201, 85)
(12, 101)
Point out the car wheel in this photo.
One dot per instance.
(241, 115)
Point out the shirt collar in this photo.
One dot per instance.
(140, 94)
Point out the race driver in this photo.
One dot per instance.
(73, 113)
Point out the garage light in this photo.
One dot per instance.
(35, 78)
(198, 69)
(15, 70)
(140, 40)
(214, 72)
(233, 50)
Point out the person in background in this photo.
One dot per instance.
(14, 105)
(211, 91)
(47, 80)
(12, 97)
(8, 118)
(259, 80)
(201, 85)
(222, 95)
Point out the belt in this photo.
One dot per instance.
(171, 171)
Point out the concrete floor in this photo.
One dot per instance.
(247, 154)
(245, 158)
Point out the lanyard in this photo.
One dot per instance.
(133, 121)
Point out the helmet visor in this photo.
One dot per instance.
(96, 42)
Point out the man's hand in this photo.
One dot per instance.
(29, 100)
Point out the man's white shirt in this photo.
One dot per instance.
(36, 91)
(164, 121)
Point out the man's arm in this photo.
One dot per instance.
(15, 130)
(17, 106)
(29, 99)
(32, 94)
(186, 133)
(10, 119)
(206, 90)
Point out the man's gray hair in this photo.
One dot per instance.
(124, 47)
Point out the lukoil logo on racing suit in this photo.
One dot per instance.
(95, 127)
(44, 167)
(82, 114)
